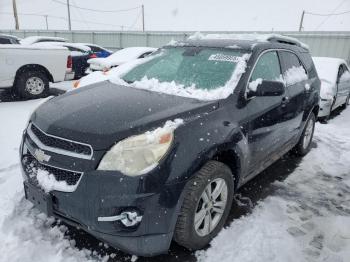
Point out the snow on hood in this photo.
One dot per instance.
(327, 68)
(119, 57)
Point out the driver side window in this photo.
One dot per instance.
(267, 68)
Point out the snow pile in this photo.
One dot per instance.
(169, 126)
(307, 218)
(49, 183)
(253, 85)
(295, 75)
(172, 88)
(119, 57)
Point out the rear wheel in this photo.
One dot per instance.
(207, 203)
(32, 84)
(304, 144)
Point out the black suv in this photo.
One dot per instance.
(139, 166)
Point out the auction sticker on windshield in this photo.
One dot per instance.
(224, 58)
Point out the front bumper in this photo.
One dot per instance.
(325, 107)
(108, 193)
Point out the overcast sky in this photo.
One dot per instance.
(192, 15)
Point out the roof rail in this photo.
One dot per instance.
(286, 40)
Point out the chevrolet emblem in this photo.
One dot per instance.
(41, 156)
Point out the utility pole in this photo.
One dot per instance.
(69, 22)
(143, 18)
(15, 14)
(47, 24)
(301, 21)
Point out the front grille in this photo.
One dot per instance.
(31, 167)
(56, 142)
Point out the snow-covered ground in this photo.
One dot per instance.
(307, 218)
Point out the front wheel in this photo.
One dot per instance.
(304, 144)
(207, 203)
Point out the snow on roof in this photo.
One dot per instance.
(32, 47)
(81, 48)
(327, 68)
(121, 56)
(10, 36)
(35, 39)
(89, 44)
(249, 37)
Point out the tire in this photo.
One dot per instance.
(304, 146)
(32, 84)
(211, 175)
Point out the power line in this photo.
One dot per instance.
(332, 14)
(64, 18)
(98, 10)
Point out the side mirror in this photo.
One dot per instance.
(268, 88)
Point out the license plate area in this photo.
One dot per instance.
(39, 198)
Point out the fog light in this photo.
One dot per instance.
(128, 218)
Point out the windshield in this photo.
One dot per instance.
(199, 68)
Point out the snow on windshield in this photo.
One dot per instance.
(190, 72)
(212, 79)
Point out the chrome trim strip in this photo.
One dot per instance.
(54, 149)
(74, 187)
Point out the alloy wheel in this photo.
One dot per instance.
(210, 207)
(308, 133)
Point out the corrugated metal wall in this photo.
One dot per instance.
(334, 44)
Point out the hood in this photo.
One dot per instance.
(104, 113)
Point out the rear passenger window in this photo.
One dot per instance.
(267, 68)
(293, 70)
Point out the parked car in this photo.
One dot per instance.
(40, 39)
(28, 70)
(157, 155)
(335, 84)
(8, 39)
(80, 55)
(119, 57)
(98, 51)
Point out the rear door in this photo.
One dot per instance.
(297, 88)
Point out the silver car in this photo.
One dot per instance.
(335, 84)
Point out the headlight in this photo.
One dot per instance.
(137, 155)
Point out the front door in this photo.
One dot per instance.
(265, 131)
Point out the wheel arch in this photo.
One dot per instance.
(34, 67)
(232, 159)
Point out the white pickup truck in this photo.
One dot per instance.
(28, 69)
